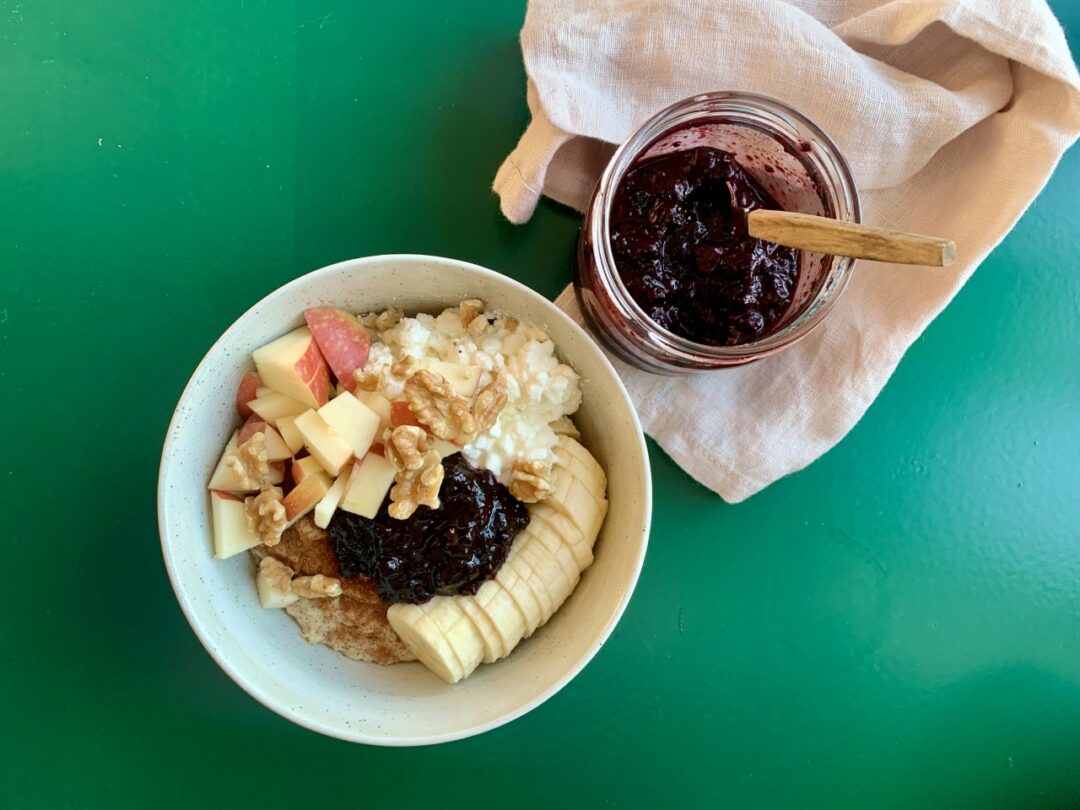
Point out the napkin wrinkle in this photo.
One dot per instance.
(952, 115)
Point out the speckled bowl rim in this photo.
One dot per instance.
(419, 740)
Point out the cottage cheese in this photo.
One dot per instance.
(540, 389)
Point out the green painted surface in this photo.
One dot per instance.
(896, 626)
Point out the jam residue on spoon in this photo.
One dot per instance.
(679, 239)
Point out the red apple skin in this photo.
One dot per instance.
(313, 370)
(304, 496)
(400, 414)
(249, 384)
(228, 496)
(378, 448)
(342, 339)
(252, 426)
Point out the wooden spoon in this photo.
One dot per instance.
(836, 238)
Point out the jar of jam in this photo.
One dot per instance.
(666, 274)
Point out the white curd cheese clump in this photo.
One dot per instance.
(540, 388)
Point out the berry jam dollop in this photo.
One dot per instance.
(446, 551)
(683, 252)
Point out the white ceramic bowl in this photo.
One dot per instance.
(262, 650)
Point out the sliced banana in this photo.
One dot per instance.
(458, 629)
(548, 571)
(493, 644)
(506, 617)
(588, 473)
(584, 477)
(568, 446)
(453, 634)
(528, 579)
(559, 550)
(564, 528)
(426, 641)
(509, 577)
(573, 500)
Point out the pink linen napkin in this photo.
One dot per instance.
(952, 114)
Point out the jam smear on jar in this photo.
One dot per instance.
(446, 551)
(685, 256)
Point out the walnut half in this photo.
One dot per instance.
(469, 309)
(530, 481)
(316, 587)
(436, 406)
(488, 404)
(277, 572)
(417, 487)
(249, 462)
(388, 319)
(282, 580)
(266, 514)
(367, 380)
(406, 446)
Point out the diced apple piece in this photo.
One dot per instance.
(342, 339)
(247, 391)
(232, 532)
(462, 378)
(275, 406)
(276, 449)
(401, 414)
(286, 426)
(380, 404)
(252, 426)
(304, 496)
(325, 445)
(353, 422)
(302, 468)
(371, 480)
(293, 365)
(325, 509)
(263, 390)
(269, 596)
(225, 478)
(445, 448)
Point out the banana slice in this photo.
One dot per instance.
(493, 645)
(458, 629)
(575, 468)
(568, 446)
(591, 475)
(531, 581)
(495, 602)
(548, 571)
(563, 528)
(509, 577)
(426, 641)
(575, 501)
(547, 537)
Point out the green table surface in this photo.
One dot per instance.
(896, 626)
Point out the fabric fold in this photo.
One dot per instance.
(952, 114)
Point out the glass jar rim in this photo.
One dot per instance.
(843, 195)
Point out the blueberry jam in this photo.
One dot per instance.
(685, 256)
(446, 551)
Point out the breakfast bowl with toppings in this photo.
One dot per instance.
(403, 500)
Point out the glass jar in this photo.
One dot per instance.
(789, 156)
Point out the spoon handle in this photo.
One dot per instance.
(824, 235)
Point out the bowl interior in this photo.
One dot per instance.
(262, 650)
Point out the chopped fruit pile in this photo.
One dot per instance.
(419, 441)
